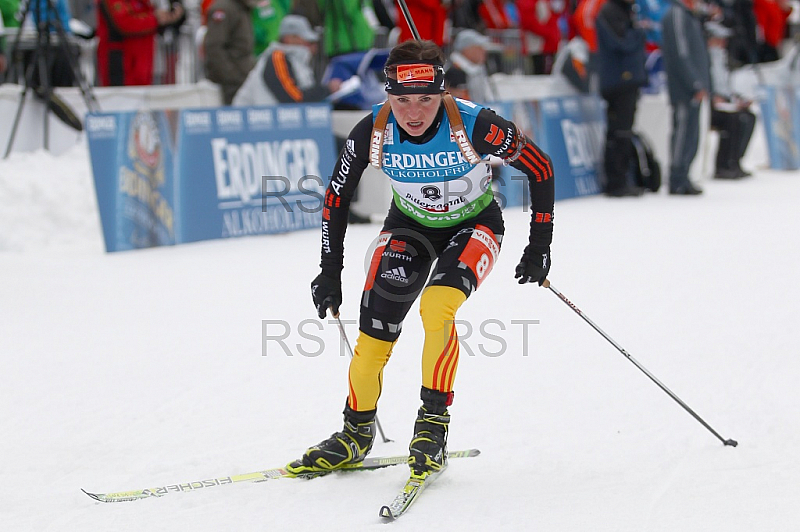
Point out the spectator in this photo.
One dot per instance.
(52, 11)
(771, 16)
(384, 13)
(126, 32)
(585, 18)
(346, 27)
(284, 73)
(466, 76)
(688, 83)
(650, 14)
(229, 44)
(311, 9)
(58, 71)
(739, 15)
(170, 41)
(8, 19)
(620, 60)
(584, 21)
(494, 15)
(430, 17)
(465, 14)
(730, 115)
(367, 67)
(84, 11)
(538, 21)
(267, 16)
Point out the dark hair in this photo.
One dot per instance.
(409, 51)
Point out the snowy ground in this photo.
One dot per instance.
(141, 369)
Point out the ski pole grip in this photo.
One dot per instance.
(546, 283)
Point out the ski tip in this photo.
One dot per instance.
(92, 495)
(386, 514)
(467, 453)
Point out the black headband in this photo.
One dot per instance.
(415, 78)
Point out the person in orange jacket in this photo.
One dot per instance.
(584, 20)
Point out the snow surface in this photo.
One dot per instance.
(143, 369)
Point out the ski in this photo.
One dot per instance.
(414, 487)
(410, 492)
(369, 464)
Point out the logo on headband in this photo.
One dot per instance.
(416, 75)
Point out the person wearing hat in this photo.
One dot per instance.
(439, 242)
(284, 73)
(466, 76)
(730, 114)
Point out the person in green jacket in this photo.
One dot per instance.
(8, 10)
(346, 27)
(267, 16)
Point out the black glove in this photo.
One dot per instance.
(326, 293)
(534, 265)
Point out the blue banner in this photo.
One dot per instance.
(167, 177)
(781, 114)
(253, 170)
(132, 161)
(572, 132)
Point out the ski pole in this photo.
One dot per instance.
(409, 20)
(546, 284)
(350, 351)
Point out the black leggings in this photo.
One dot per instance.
(402, 261)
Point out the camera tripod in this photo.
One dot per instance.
(45, 15)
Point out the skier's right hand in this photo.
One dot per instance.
(327, 294)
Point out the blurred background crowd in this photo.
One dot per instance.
(262, 52)
(179, 41)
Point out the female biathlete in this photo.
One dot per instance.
(432, 147)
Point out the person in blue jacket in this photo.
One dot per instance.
(621, 72)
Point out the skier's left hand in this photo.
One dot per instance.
(534, 265)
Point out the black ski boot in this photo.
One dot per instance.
(427, 452)
(350, 446)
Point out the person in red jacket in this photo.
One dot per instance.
(494, 16)
(126, 31)
(771, 16)
(538, 20)
(429, 17)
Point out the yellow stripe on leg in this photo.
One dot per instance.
(366, 371)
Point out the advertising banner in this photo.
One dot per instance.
(132, 161)
(168, 177)
(569, 129)
(257, 170)
(572, 131)
(781, 114)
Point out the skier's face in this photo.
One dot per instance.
(415, 112)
